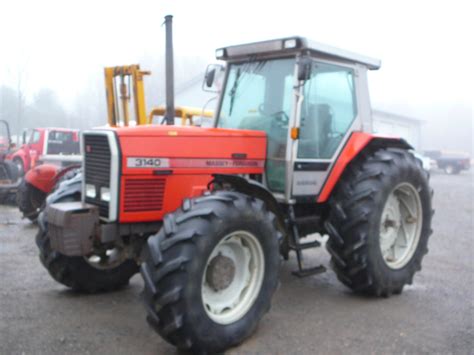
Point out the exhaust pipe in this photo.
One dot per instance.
(169, 114)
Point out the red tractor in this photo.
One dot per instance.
(207, 214)
(9, 175)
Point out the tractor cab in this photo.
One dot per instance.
(308, 98)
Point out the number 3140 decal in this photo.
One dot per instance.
(138, 162)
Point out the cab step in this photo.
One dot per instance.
(303, 246)
(309, 271)
(296, 245)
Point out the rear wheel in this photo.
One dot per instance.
(211, 271)
(380, 222)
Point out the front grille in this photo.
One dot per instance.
(144, 195)
(97, 160)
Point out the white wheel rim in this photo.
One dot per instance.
(241, 252)
(400, 225)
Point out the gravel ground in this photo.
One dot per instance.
(308, 316)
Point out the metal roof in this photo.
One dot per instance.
(292, 44)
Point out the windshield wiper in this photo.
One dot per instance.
(233, 91)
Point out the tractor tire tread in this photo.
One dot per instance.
(351, 216)
(165, 281)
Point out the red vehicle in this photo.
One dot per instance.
(47, 154)
(207, 214)
(9, 176)
(451, 162)
(43, 142)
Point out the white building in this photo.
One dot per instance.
(392, 124)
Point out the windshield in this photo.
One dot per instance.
(255, 92)
(259, 96)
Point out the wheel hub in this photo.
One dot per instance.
(400, 225)
(220, 272)
(232, 277)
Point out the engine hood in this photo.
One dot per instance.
(183, 148)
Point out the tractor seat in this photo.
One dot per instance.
(316, 133)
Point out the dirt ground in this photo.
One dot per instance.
(309, 316)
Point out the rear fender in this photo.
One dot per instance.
(358, 143)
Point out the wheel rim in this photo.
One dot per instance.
(400, 226)
(233, 277)
(109, 259)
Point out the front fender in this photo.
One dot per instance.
(253, 188)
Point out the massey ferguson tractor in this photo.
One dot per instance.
(207, 214)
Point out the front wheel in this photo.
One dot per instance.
(380, 222)
(106, 271)
(211, 271)
(103, 272)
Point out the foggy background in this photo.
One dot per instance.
(53, 54)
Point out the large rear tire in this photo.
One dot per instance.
(379, 222)
(211, 271)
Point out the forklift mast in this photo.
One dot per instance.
(129, 80)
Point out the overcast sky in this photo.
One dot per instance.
(425, 46)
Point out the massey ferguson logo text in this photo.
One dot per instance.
(232, 163)
(147, 163)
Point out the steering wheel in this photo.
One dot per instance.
(281, 116)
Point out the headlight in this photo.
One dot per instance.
(220, 53)
(290, 43)
(105, 194)
(90, 191)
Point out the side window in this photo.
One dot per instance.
(329, 107)
(62, 143)
(35, 137)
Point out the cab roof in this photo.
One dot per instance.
(292, 45)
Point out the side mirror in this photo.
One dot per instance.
(210, 78)
(23, 137)
(304, 68)
(211, 81)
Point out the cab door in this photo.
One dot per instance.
(328, 114)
